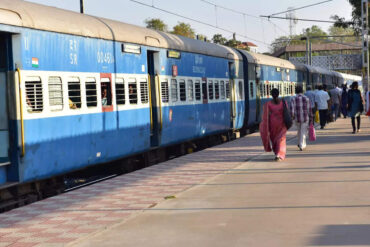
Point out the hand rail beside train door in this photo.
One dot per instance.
(21, 113)
(160, 101)
(150, 103)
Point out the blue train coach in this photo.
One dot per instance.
(78, 90)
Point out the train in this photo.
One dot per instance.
(78, 90)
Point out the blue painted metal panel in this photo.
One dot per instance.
(240, 111)
(194, 121)
(62, 52)
(2, 175)
(61, 144)
(252, 112)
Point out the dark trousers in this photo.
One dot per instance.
(323, 116)
(358, 123)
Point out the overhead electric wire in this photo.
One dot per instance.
(298, 19)
(303, 7)
(195, 20)
(226, 8)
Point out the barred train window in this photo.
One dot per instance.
(182, 90)
(164, 89)
(144, 91)
(217, 90)
(198, 94)
(227, 90)
(106, 92)
(251, 89)
(34, 94)
(132, 91)
(120, 91)
(74, 92)
(262, 90)
(190, 90)
(222, 86)
(240, 90)
(55, 93)
(210, 89)
(91, 93)
(174, 96)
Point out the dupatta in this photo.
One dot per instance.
(264, 128)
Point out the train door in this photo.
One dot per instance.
(155, 99)
(204, 90)
(232, 90)
(258, 93)
(4, 121)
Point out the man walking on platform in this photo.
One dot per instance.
(322, 99)
(311, 96)
(301, 111)
(336, 97)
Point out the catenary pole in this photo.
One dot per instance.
(365, 41)
(81, 6)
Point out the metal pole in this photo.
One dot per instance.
(307, 52)
(365, 41)
(310, 51)
(81, 6)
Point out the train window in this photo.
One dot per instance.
(106, 92)
(55, 93)
(182, 87)
(251, 89)
(120, 91)
(74, 92)
(164, 91)
(227, 85)
(210, 89)
(222, 87)
(34, 97)
(91, 94)
(174, 96)
(190, 90)
(132, 91)
(217, 90)
(267, 90)
(144, 91)
(240, 90)
(197, 90)
(262, 90)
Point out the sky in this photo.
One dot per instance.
(249, 27)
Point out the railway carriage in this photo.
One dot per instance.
(82, 90)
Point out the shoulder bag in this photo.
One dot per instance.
(287, 118)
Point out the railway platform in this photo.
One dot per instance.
(228, 195)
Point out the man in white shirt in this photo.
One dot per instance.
(336, 97)
(322, 101)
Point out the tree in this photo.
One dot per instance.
(219, 39)
(233, 43)
(335, 31)
(356, 17)
(156, 24)
(314, 31)
(184, 29)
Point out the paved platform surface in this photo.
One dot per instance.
(229, 195)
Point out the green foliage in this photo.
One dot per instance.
(184, 29)
(335, 30)
(156, 24)
(219, 39)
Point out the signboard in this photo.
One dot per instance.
(173, 54)
(131, 48)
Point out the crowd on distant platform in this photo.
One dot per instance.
(318, 105)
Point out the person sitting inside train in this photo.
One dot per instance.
(104, 97)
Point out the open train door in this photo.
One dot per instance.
(4, 120)
(258, 94)
(233, 99)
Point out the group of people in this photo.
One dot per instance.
(303, 110)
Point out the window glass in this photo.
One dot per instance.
(217, 90)
(55, 93)
(144, 91)
(190, 90)
(240, 90)
(34, 97)
(174, 96)
(106, 92)
(91, 94)
(120, 91)
(251, 89)
(227, 90)
(164, 91)
(132, 91)
(197, 90)
(182, 90)
(74, 93)
(222, 87)
(210, 89)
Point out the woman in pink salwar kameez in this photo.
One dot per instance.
(272, 127)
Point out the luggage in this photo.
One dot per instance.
(311, 133)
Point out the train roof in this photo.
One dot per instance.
(267, 60)
(31, 15)
(314, 69)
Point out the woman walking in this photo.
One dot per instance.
(355, 106)
(344, 100)
(272, 127)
